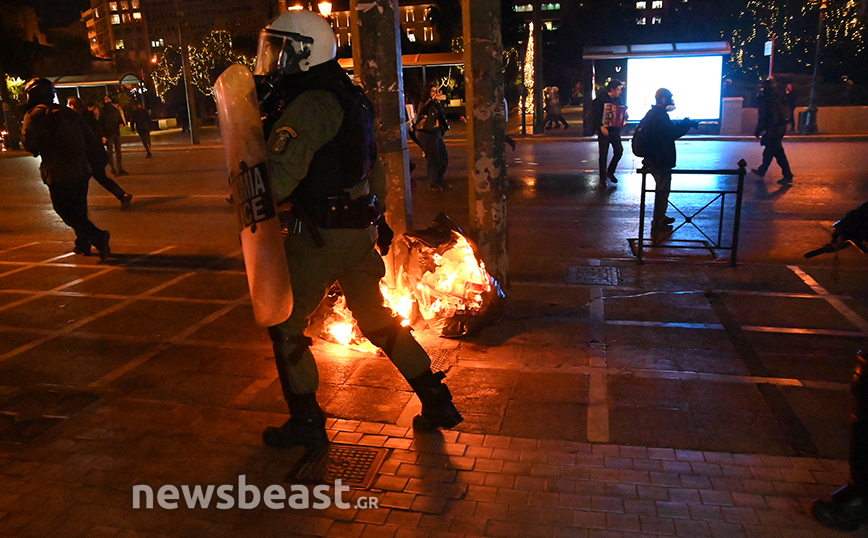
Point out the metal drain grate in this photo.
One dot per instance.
(354, 466)
(442, 359)
(593, 276)
(34, 413)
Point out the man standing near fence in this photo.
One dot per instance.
(661, 134)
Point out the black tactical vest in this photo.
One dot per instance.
(346, 160)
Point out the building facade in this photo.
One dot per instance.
(116, 30)
(242, 19)
(415, 18)
(138, 31)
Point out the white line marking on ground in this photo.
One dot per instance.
(833, 300)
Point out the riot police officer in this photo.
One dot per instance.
(323, 160)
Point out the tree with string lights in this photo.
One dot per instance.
(793, 27)
(207, 61)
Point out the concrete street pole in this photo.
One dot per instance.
(192, 116)
(810, 126)
(486, 158)
(376, 40)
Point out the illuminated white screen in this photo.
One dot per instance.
(694, 82)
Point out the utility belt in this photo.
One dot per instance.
(337, 212)
(344, 212)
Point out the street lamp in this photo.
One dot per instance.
(810, 126)
(325, 9)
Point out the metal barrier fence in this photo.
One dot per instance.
(709, 243)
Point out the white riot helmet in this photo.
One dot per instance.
(294, 42)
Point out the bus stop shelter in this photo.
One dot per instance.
(74, 84)
(591, 55)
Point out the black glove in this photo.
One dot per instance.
(384, 235)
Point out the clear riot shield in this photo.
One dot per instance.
(246, 158)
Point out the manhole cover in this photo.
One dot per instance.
(354, 466)
(442, 359)
(33, 413)
(593, 276)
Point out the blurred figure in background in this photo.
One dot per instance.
(431, 125)
(140, 120)
(97, 155)
(111, 120)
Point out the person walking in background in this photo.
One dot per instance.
(140, 120)
(97, 155)
(772, 120)
(607, 132)
(547, 108)
(555, 109)
(64, 141)
(661, 134)
(111, 120)
(791, 102)
(431, 125)
(503, 111)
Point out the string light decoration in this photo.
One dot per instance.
(168, 71)
(528, 73)
(784, 22)
(212, 58)
(207, 61)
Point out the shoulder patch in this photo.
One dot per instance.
(284, 135)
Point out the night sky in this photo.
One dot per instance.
(55, 13)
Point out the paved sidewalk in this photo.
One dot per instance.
(678, 398)
(166, 381)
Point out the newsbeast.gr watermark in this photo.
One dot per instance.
(247, 497)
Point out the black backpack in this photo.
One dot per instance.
(642, 139)
(781, 114)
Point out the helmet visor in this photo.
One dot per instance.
(281, 52)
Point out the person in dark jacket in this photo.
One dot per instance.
(97, 156)
(111, 120)
(140, 120)
(662, 133)
(773, 118)
(431, 125)
(64, 141)
(606, 134)
(322, 156)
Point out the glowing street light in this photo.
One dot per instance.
(325, 9)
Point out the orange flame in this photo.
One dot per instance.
(341, 328)
(455, 286)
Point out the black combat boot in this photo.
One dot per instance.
(438, 411)
(847, 510)
(305, 427)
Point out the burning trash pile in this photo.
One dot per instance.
(440, 280)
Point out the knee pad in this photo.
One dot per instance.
(290, 348)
